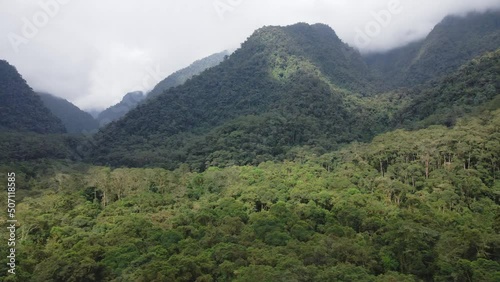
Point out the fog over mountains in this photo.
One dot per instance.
(294, 158)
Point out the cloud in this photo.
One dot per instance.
(92, 52)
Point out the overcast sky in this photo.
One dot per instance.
(91, 52)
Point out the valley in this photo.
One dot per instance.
(293, 158)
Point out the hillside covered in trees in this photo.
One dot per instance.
(21, 109)
(409, 206)
(294, 159)
(453, 42)
(74, 119)
(286, 87)
(115, 112)
(182, 75)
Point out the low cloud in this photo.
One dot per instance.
(93, 52)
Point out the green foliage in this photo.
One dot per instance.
(21, 110)
(472, 87)
(18, 147)
(181, 76)
(409, 206)
(285, 90)
(115, 112)
(450, 44)
(285, 87)
(263, 185)
(74, 119)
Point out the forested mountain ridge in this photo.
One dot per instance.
(408, 206)
(473, 87)
(182, 75)
(21, 110)
(252, 171)
(451, 43)
(132, 99)
(285, 86)
(115, 112)
(74, 119)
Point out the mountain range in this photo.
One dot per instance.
(182, 75)
(74, 119)
(301, 86)
(287, 89)
(295, 158)
(132, 99)
(21, 109)
(128, 102)
(450, 44)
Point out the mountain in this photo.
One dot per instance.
(473, 87)
(450, 44)
(21, 109)
(283, 192)
(74, 119)
(128, 102)
(285, 87)
(181, 76)
(132, 99)
(94, 113)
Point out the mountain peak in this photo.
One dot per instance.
(21, 109)
(301, 30)
(279, 78)
(133, 97)
(314, 47)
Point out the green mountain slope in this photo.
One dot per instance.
(115, 112)
(475, 86)
(132, 99)
(74, 119)
(285, 87)
(20, 108)
(408, 206)
(453, 42)
(181, 76)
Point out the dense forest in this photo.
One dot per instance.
(295, 158)
(409, 206)
(208, 122)
(132, 99)
(115, 112)
(181, 76)
(21, 109)
(74, 119)
(451, 43)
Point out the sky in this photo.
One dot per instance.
(92, 52)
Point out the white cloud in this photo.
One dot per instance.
(92, 52)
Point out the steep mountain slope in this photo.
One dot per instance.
(132, 99)
(181, 76)
(299, 87)
(20, 108)
(453, 42)
(74, 119)
(286, 86)
(128, 102)
(475, 86)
